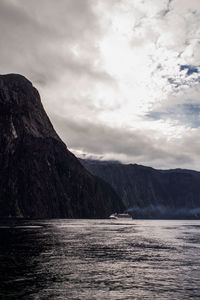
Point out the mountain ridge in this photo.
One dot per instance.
(39, 176)
(150, 193)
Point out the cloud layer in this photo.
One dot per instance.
(119, 79)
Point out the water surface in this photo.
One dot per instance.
(99, 259)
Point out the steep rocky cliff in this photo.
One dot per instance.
(151, 193)
(39, 177)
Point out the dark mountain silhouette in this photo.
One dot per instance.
(151, 193)
(39, 176)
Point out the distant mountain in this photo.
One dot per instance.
(39, 176)
(151, 193)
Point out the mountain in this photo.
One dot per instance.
(151, 193)
(39, 176)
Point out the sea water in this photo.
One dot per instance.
(99, 259)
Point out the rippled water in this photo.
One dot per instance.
(99, 259)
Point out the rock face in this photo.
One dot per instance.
(39, 177)
(150, 193)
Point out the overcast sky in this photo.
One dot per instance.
(119, 79)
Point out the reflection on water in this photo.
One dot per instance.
(99, 259)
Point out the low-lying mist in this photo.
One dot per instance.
(164, 212)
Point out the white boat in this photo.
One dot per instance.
(120, 216)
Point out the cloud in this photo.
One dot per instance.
(93, 140)
(185, 113)
(49, 40)
(118, 78)
(181, 108)
(55, 45)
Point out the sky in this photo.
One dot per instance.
(119, 79)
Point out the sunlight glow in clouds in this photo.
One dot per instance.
(119, 78)
(140, 52)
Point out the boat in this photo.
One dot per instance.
(120, 216)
